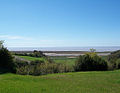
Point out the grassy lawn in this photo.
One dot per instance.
(65, 60)
(78, 82)
(31, 58)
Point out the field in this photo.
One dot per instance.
(31, 58)
(77, 82)
(64, 60)
(61, 59)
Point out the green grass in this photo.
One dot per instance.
(69, 61)
(32, 58)
(64, 60)
(78, 82)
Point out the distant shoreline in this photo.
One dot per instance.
(98, 49)
(65, 53)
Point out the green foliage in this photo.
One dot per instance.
(114, 59)
(1, 43)
(92, 50)
(41, 68)
(6, 60)
(118, 64)
(90, 62)
(114, 55)
(38, 53)
(35, 53)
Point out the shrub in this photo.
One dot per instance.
(24, 70)
(90, 62)
(47, 68)
(118, 64)
(114, 55)
(114, 59)
(41, 68)
(21, 67)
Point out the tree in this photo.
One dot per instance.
(92, 50)
(6, 59)
(1, 43)
(90, 62)
(114, 59)
(38, 53)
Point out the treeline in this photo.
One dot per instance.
(88, 62)
(93, 62)
(34, 54)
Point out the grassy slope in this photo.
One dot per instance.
(81, 82)
(65, 60)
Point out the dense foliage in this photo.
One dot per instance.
(90, 62)
(6, 60)
(34, 54)
(114, 55)
(40, 68)
(114, 60)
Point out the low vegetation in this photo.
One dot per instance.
(77, 82)
(37, 63)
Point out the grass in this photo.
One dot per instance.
(32, 58)
(64, 60)
(77, 82)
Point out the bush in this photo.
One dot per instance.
(118, 64)
(41, 68)
(114, 59)
(114, 55)
(6, 60)
(111, 66)
(34, 54)
(90, 62)
(21, 67)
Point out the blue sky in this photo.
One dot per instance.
(60, 23)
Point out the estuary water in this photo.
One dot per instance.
(98, 48)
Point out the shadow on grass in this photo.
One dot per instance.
(3, 71)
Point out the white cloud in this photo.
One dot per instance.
(20, 41)
(3, 37)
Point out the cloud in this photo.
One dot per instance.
(14, 37)
(20, 41)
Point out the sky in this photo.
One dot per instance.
(60, 23)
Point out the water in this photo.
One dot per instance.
(98, 49)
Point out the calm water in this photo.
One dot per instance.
(98, 49)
